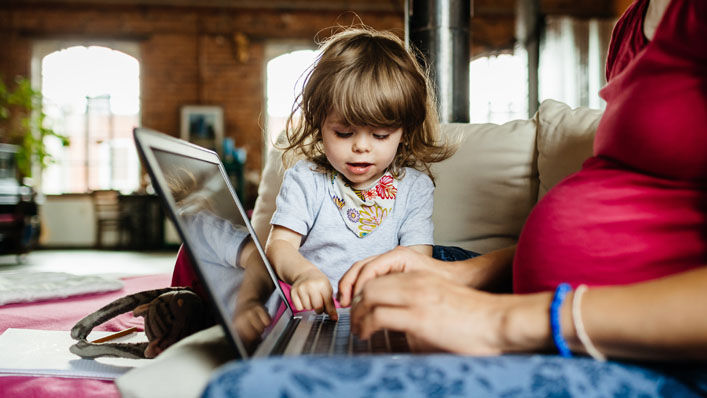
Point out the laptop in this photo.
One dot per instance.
(240, 283)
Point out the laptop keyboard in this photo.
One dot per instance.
(328, 337)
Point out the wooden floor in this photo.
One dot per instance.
(82, 262)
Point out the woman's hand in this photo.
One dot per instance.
(311, 290)
(400, 259)
(440, 315)
(491, 271)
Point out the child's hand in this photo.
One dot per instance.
(250, 319)
(312, 291)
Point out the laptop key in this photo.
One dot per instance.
(398, 342)
(326, 336)
(341, 341)
(378, 342)
(311, 337)
(359, 346)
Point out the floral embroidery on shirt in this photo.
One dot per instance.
(385, 187)
(370, 218)
(353, 215)
(338, 201)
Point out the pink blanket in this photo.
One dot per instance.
(62, 314)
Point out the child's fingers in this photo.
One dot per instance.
(262, 316)
(316, 299)
(296, 301)
(305, 300)
(330, 307)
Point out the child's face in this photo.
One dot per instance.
(361, 154)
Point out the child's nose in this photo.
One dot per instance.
(361, 143)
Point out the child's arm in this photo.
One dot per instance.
(310, 287)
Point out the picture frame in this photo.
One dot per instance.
(203, 126)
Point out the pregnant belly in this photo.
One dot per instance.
(606, 225)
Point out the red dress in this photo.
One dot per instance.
(638, 208)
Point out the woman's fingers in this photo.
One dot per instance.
(396, 290)
(393, 318)
(348, 279)
(417, 344)
(370, 268)
(438, 314)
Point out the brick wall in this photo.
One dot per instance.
(188, 55)
(195, 55)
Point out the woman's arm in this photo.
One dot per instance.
(311, 289)
(660, 319)
(422, 249)
(489, 270)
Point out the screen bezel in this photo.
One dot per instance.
(146, 141)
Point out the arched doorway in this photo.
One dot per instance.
(92, 95)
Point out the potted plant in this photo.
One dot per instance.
(22, 124)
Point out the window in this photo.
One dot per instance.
(572, 58)
(284, 80)
(498, 87)
(91, 95)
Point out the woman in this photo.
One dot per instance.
(636, 212)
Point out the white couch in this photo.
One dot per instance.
(483, 196)
(485, 191)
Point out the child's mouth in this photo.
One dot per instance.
(358, 168)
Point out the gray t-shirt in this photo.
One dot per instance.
(304, 206)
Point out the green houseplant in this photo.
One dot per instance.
(22, 123)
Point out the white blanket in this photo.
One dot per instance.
(22, 287)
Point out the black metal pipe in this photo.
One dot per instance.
(439, 29)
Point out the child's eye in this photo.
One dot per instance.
(342, 134)
(381, 136)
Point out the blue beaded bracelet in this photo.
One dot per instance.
(557, 300)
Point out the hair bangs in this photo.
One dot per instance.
(377, 94)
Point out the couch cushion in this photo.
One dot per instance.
(486, 190)
(565, 140)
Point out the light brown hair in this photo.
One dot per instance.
(370, 79)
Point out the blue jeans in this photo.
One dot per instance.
(452, 253)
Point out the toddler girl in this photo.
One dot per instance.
(368, 131)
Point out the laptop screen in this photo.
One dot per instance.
(215, 232)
